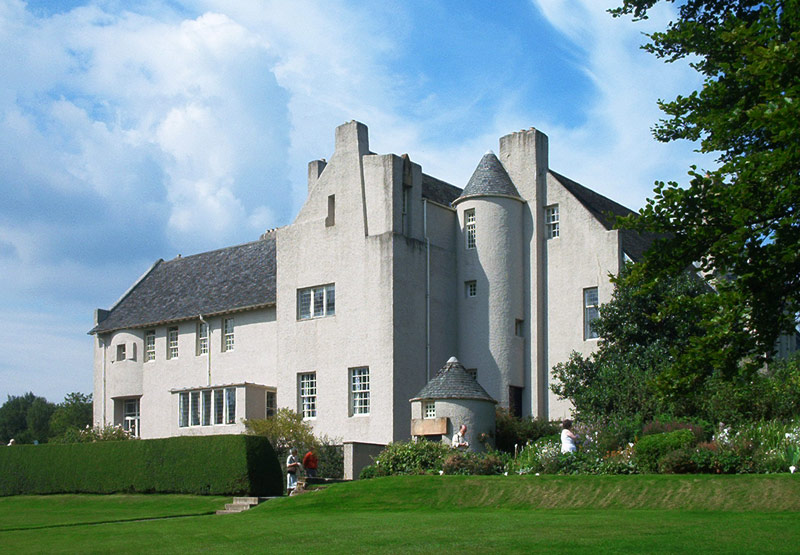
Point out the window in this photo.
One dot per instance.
(429, 409)
(519, 328)
(172, 343)
(207, 407)
(194, 408)
(230, 405)
(469, 219)
(219, 406)
(316, 302)
(590, 304)
(515, 401)
(202, 338)
(120, 352)
(331, 219)
(308, 394)
(272, 404)
(149, 345)
(359, 391)
(130, 417)
(551, 221)
(472, 372)
(471, 288)
(227, 334)
(183, 410)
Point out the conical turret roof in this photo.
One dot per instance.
(490, 178)
(453, 382)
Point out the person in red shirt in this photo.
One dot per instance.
(310, 463)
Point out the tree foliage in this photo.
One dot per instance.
(75, 412)
(25, 418)
(740, 220)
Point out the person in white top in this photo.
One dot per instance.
(460, 438)
(568, 438)
(292, 466)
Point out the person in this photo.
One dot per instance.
(310, 463)
(460, 438)
(292, 465)
(568, 438)
(12, 442)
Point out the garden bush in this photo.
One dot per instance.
(461, 462)
(677, 462)
(650, 449)
(511, 431)
(210, 465)
(407, 457)
(660, 426)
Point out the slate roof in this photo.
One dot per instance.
(634, 244)
(453, 382)
(490, 179)
(439, 191)
(225, 280)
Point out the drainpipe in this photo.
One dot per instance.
(427, 290)
(208, 345)
(104, 345)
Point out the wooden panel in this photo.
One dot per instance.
(428, 426)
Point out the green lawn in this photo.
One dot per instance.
(429, 514)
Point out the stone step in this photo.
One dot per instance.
(246, 500)
(237, 507)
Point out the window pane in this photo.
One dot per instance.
(228, 337)
(359, 390)
(207, 407)
(319, 301)
(183, 410)
(272, 404)
(150, 346)
(330, 300)
(308, 395)
(230, 401)
(195, 408)
(590, 312)
(172, 343)
(304, 304)
(219, 406)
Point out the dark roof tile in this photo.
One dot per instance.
(453, 382)
(490, 178)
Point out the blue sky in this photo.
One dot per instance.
(133, 131)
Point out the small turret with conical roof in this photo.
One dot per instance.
(490, 178)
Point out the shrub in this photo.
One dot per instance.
(460, 462)
(510, 430)
(93, 435)
(371, 471)
(650, 449)
(331, 459)
(662, 426)
(211, 465)
(412, 457)
(677, 462)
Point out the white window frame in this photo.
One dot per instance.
(149, 345)
(228, 327)
(551, 221)
(172, 343)
(307, 395)
(207, 407)
(429, 409)
(202, 338)
(131, 417)
(120, 352)
(470, 289)
(470, 231)
(270, 403)
(359, 391)
(591, 303)
(316, 302)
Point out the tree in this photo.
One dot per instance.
(25, 418)
(74, 412)
(739, 222)
(632, 372)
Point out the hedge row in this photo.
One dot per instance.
(209, 465)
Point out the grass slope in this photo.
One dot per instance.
(454, 514)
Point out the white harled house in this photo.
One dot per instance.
(345, 314)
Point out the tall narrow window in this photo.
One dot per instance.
(230, 405)
(183, 410)
(272, 404)
(308, 394)
(590, 314)
(194, 408)
(130, 417)
(219, 406)
(316, 302)
(120, 352)
(149, 345)
(471, 288)
(551, 221)
(359, 391)
(202, 338)
(207, 407)
(227, 335)
(330, 220)
(519, 328)
(172, 343)
(469, 219)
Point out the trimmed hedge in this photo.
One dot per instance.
(208, 465)
(650, 449)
